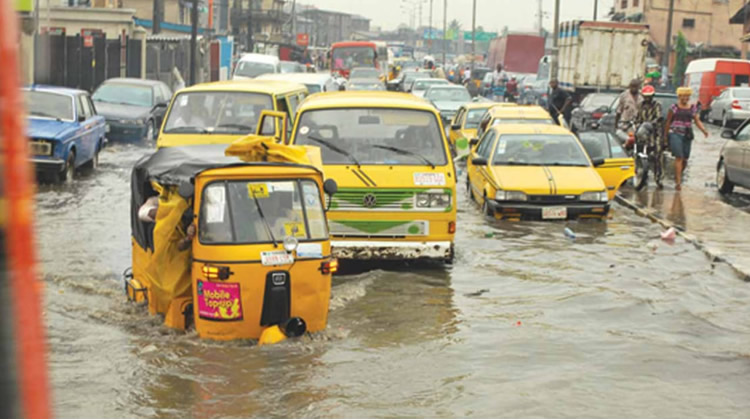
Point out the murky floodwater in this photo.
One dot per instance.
(525, 324)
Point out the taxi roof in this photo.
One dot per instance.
(270, 87)
(530, 129)
(519, 111)
(375, 99)
(479, 105)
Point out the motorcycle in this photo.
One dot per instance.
(644, 157)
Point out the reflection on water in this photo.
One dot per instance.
(526, 323)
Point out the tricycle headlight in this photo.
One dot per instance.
(423, 200)
(598, 196)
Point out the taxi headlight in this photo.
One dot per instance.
(433, 200)
(598, 196)
(501, 195)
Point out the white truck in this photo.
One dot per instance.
(601, 56)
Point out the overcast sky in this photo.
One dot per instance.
(493, 15)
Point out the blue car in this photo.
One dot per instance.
(64, 131)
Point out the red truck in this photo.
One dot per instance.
(518, 53)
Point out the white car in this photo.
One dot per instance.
(252, 65)
(420, 86)
(315, 82)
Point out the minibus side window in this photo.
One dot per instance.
(741, 80)
(723, 79)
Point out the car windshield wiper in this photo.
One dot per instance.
(265, 222)
(405, 152)
(334, 148)
(233, 125)
(188, 129)
(564, 164)
(514, 164)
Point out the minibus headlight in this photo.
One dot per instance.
(433, 200)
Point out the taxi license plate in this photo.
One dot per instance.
(554, 213)
(276, 258)
(41, 148)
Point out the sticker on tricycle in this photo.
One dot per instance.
(219, 301)
(276, 258)
(257, 190)
(429, 179)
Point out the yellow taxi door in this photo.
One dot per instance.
(477, 174)
(615, 172)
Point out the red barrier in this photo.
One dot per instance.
(25, 287)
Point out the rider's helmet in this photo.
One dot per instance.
(648, 91)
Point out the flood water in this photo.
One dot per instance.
(526, 324)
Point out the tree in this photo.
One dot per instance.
(480, 29)
(454, 26)
(680, 64)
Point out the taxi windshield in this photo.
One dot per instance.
(448, 94)
(216, 112)
(473, 118)
(350, 57)
(373, 136)
(539, 149)
(242, 212)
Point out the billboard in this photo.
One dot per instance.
(26, 6)
(454, 35)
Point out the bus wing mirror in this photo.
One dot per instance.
(330, 187)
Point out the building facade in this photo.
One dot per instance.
(327, 26)
(705, 23)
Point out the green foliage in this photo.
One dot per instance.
(680, 64)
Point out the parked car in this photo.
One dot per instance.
(420, 86)
(64, 130)
(607, 122)
(251, 65)
(731, 107)
(291, 67)
(733, 168)
(134, 108)
(591, 109)
(447, 99)
(536, 94)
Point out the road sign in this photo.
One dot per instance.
(303, 40)
(26, 6)
(88, 41)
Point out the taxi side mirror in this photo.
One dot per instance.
(473, 142)
(272, 124)
(456, 127)
(727, 134)
(186, 190)
(598, 161)
(479, 161)
(330, 187)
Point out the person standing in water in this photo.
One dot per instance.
(679, 131)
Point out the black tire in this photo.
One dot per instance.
(642, 166)
(722, 179)
(93, 164)
(486, 208)
(68, 173)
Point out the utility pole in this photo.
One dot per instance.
(473, 34)
(445, 28)
(193, 41)
(668, 48)
(429, 40)
(553, 67)
(420, 14)
(540, 16)
(250, 27)
(157, 12)
(596, 10)
(294, 19)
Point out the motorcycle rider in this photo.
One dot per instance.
(627, 108)
(649, 111)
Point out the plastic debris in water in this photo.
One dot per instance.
(669, 235)
(569, 233)
(489, 234)
(653, 246)
(518, 323)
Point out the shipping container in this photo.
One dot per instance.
(518, 53)
(601, 55)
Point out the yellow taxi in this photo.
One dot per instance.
(520, 171)
(222, 112)
(507, 113)
(465, 124)
(397, 184)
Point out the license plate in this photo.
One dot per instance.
(41, 148)
(555, 213)
(276, 258)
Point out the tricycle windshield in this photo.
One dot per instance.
(49, 105)
(255, 212)
(216, 112)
